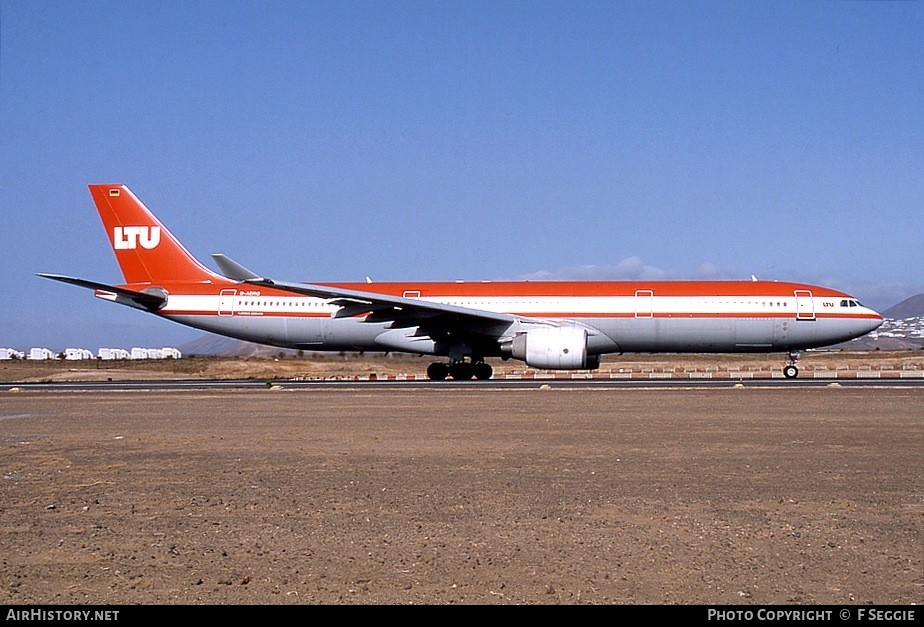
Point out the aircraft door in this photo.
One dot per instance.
(226, 302)
(805, 305)
(644, 303)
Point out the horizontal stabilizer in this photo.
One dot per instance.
(148, 300)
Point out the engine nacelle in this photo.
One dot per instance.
(554, 348)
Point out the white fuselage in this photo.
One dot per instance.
(641, 321)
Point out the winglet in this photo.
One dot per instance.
(233, 270)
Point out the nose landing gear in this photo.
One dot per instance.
(789, 370)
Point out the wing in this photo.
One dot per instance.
(434, 318)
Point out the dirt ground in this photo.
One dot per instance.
(731, 495)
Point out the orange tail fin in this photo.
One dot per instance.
(146, 251)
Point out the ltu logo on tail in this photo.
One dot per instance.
(128, 237)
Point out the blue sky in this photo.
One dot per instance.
(460, 140)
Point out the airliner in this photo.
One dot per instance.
(551, 325)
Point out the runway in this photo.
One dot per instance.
(367, 384)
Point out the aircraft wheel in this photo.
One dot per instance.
(483, 371)
(461, 371)
(790, 372)
(437, 371)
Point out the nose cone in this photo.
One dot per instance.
(869, 321)
(874, 321)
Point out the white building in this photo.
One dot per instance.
(113, 353)
(41, 353)
(155, 353)
(74, 354)
(11, 353)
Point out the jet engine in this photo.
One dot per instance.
(554, 348)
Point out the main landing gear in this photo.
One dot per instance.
(459, 370)
(789, 370)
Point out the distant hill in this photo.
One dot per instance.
(211, 344)
(909, 308)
